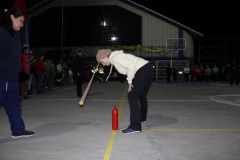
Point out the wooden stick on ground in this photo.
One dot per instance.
(81, 102)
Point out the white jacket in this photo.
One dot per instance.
(186, 70)
(59, 67)
(126, 64)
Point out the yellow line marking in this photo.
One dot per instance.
(110, 145)
(111, 140)
(190, 129)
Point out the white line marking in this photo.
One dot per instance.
(224, 101)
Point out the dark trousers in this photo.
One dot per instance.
(141, 83)
(186, 75)
(168, 78)
(207, 78)
(175, 77)
(80, 80)
(202, 75)
(40, 80)
(9, 97)
(214, 78)
(193, 78)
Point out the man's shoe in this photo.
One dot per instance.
(25, 134)
(129, 130)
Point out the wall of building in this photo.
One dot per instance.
(154, 30)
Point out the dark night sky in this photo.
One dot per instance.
(214, 19)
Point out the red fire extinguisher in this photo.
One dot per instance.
(115, 118)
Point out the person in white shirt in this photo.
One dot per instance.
(59, 71)
(70, 76)
(59, 67)
(186, 73)
(140, 74)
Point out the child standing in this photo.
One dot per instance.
(70, 78)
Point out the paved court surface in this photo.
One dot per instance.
(185, 122)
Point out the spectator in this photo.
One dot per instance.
(175, 73)
(198, 74)
(24, 76)
(59, 67)
(32, 63)
(59, 71)
(87, 77)
(45, 80)
(228, 70)
(234, 72)
(207, 73)
(10, 55)
(50, 74)
(101, 73)
(215, 71)
(222, 75)
(65, 72)
(202, 72)
(40, 72)
(196, 67)
(186, 73)
(70, 77)
(193, 72)
(168, 73)
(79, 70)
(34, 77)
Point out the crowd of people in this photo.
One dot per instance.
(226, 74)
(40, 74)
(198, 73)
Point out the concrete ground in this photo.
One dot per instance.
(186, 121)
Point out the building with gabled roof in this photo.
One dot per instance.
(96, 24)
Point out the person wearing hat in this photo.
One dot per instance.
(140, 74)
(26, 58)
(79, 71)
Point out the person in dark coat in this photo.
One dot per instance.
(175, 73)
(227, 72)
(234, 71)
(10, 56)
(169, 73)
(79, 71)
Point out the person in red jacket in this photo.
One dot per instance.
(40, 73)
(198, 74)
(24, 75)
(192, 72)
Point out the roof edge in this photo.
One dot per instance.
(169, 20)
